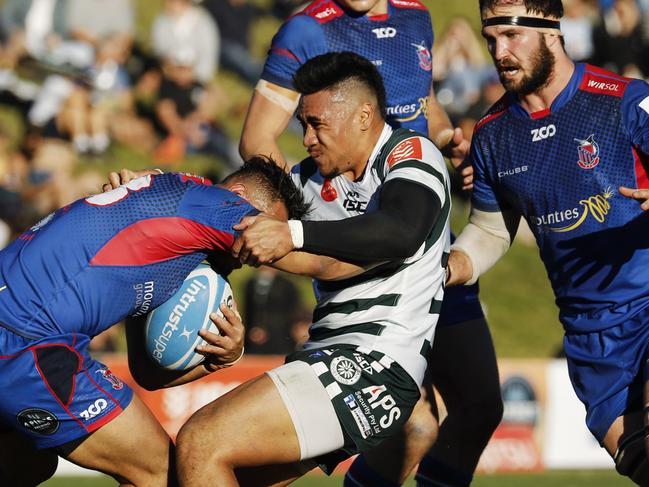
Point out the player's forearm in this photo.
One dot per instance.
(392, 232)
(269, 113)
(265, 145)
(459, 269)
(484, 240)
(318, 266)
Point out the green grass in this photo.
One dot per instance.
(546, 479)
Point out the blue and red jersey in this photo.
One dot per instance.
(398, 43)
(117, 254)
(561, 169)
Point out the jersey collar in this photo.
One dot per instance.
(562, 99)
(383, 138)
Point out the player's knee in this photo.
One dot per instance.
(192, 447)
(422, 428)
(631, 460)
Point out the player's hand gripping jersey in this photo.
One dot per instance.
(561, 169)
(392, 308)
(116, 254)
(399, 44)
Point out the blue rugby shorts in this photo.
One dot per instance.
(53, 391)
(608, 368)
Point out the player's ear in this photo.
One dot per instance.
(366, 115)
(239, 189)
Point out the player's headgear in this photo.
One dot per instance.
(332, 69)
(265, 172)
(545, 14)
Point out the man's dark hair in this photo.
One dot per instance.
(547, 8)
(272, 179)
(332, 69)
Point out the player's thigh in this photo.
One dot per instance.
(249, 426)
(132, 447)
(21, 463)
(463, 365)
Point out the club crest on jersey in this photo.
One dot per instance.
(328, 191)
(588, 152)
(345, 371)
(115, 381)
(405, 150)
(424, 55)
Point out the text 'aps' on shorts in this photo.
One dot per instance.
(58, 393)
(372, 395)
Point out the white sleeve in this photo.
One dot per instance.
(486, 238)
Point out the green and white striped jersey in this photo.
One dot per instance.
(394, 307)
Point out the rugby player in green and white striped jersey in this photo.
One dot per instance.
(380, 200)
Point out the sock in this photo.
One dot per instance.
(360, 474)
(433, 473)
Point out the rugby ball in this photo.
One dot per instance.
(172, 328)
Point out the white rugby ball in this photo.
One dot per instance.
(172, 328)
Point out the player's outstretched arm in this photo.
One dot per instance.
(392, 232)
(221, 351)
(269, 113)
(640, 195)
(319, 266)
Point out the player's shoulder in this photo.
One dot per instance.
(494, 112)
(303, 31)
(408, 5)
(601, 81)
(405, 144)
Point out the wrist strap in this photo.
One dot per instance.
(297, 233)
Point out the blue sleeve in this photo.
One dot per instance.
(298, 40)
(215, 211)
(635, 114)
(483, 196)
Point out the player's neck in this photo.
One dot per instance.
(381, 8)
(542, 98)
(363, 152)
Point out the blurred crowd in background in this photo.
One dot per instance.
(81, 83)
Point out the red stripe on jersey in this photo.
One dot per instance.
(605, 72)
(488, 118)
(195, 179)
(159, 239)
(603, 85)
(285, 53)
(641, 169)
(408, 4)
(540, 114)
(378, 18)
(405, 150)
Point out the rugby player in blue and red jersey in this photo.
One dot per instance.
(83, 269)
(565, 149)
(397, 36)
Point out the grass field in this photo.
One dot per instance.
(546, 479)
